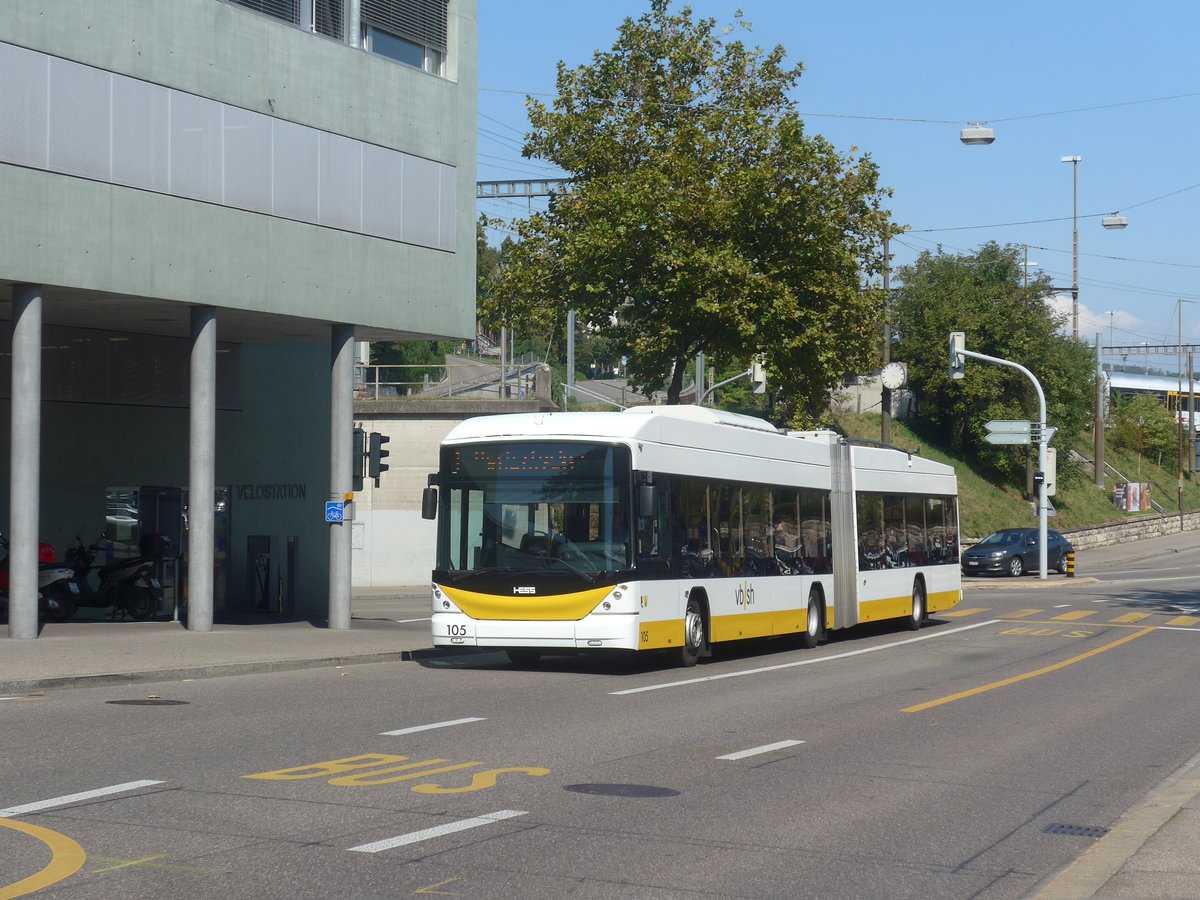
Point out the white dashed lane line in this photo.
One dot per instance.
(425, 834)
(765, 748)
(416, 728)
(74, 798)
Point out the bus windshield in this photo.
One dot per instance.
(535, 506)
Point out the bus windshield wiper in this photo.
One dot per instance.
(590, 576)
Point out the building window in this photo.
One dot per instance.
(412, 32)
(327, 17)
(287, 10)
(402, 50)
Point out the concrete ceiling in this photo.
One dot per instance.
(142, 315)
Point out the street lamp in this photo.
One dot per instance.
(977, 134)
(1074, 161)
(1114, 221)
(1179, 405)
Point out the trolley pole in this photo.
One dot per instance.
(957, 352)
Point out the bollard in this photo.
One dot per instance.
(1071, 564)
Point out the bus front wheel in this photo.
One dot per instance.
(917, 616)
(693, 634)
(811, 635)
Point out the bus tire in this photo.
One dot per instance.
(811, 636)
(917, 616)
(693, 635)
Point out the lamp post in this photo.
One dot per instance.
(1178, 404)
(1074, 161)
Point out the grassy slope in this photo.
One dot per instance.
(986, 506)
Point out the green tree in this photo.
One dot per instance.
(1142, 424)
(699, 216)
(982, 295)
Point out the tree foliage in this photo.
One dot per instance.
(982, 295)
(699, 215)
(1142, 424)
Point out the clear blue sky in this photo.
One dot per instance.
(870, 66)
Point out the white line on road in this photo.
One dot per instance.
(1144, 580)
(803, 662)
(765, 748)
(407, 621)
(73, 798)
(433, 726)
(425, 834)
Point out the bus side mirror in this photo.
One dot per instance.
(429, 503)
(647, 500)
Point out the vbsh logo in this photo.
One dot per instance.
(744, 595)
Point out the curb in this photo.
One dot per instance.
(1015, 584)
(182, 673)
(1097, 866)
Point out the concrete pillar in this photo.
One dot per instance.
(341, 454)
(25, 467)
(202, 453)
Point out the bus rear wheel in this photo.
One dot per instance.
(811, 635)
(693, 635)
(917, 616)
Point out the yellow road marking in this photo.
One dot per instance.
(1020, 613)
(126, 863)
(1074, 615)
(149, 863)
(1184, 620)
(963, 612)
(66, 858)
(1132, 617)
(1016, 678)
(430, 889)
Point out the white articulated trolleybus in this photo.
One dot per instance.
(677, 527)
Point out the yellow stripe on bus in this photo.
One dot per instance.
(939, 600)
(527, 607)
(656, 635)
(755, 625)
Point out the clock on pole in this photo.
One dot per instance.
(894, 375)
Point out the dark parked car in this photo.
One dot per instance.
(1014, 551)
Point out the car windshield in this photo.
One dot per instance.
(1000, 538)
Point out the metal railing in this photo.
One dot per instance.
(466, 381)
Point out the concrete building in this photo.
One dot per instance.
(203, 204)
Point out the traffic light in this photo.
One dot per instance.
(758, 378)
(958, 362)
(359, 463)
(376, 456)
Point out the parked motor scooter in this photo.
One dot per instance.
(56, 592)
(127, 586)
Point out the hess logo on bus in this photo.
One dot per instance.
(525, 590)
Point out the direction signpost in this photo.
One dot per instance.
(1008, 431)
(1013, 432)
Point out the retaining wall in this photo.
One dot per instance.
(1132, 530)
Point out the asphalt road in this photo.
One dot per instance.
(972, 759)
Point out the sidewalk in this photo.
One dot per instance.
(1148, 852)
(387, 624)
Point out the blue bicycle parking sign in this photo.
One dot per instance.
(335, 511)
